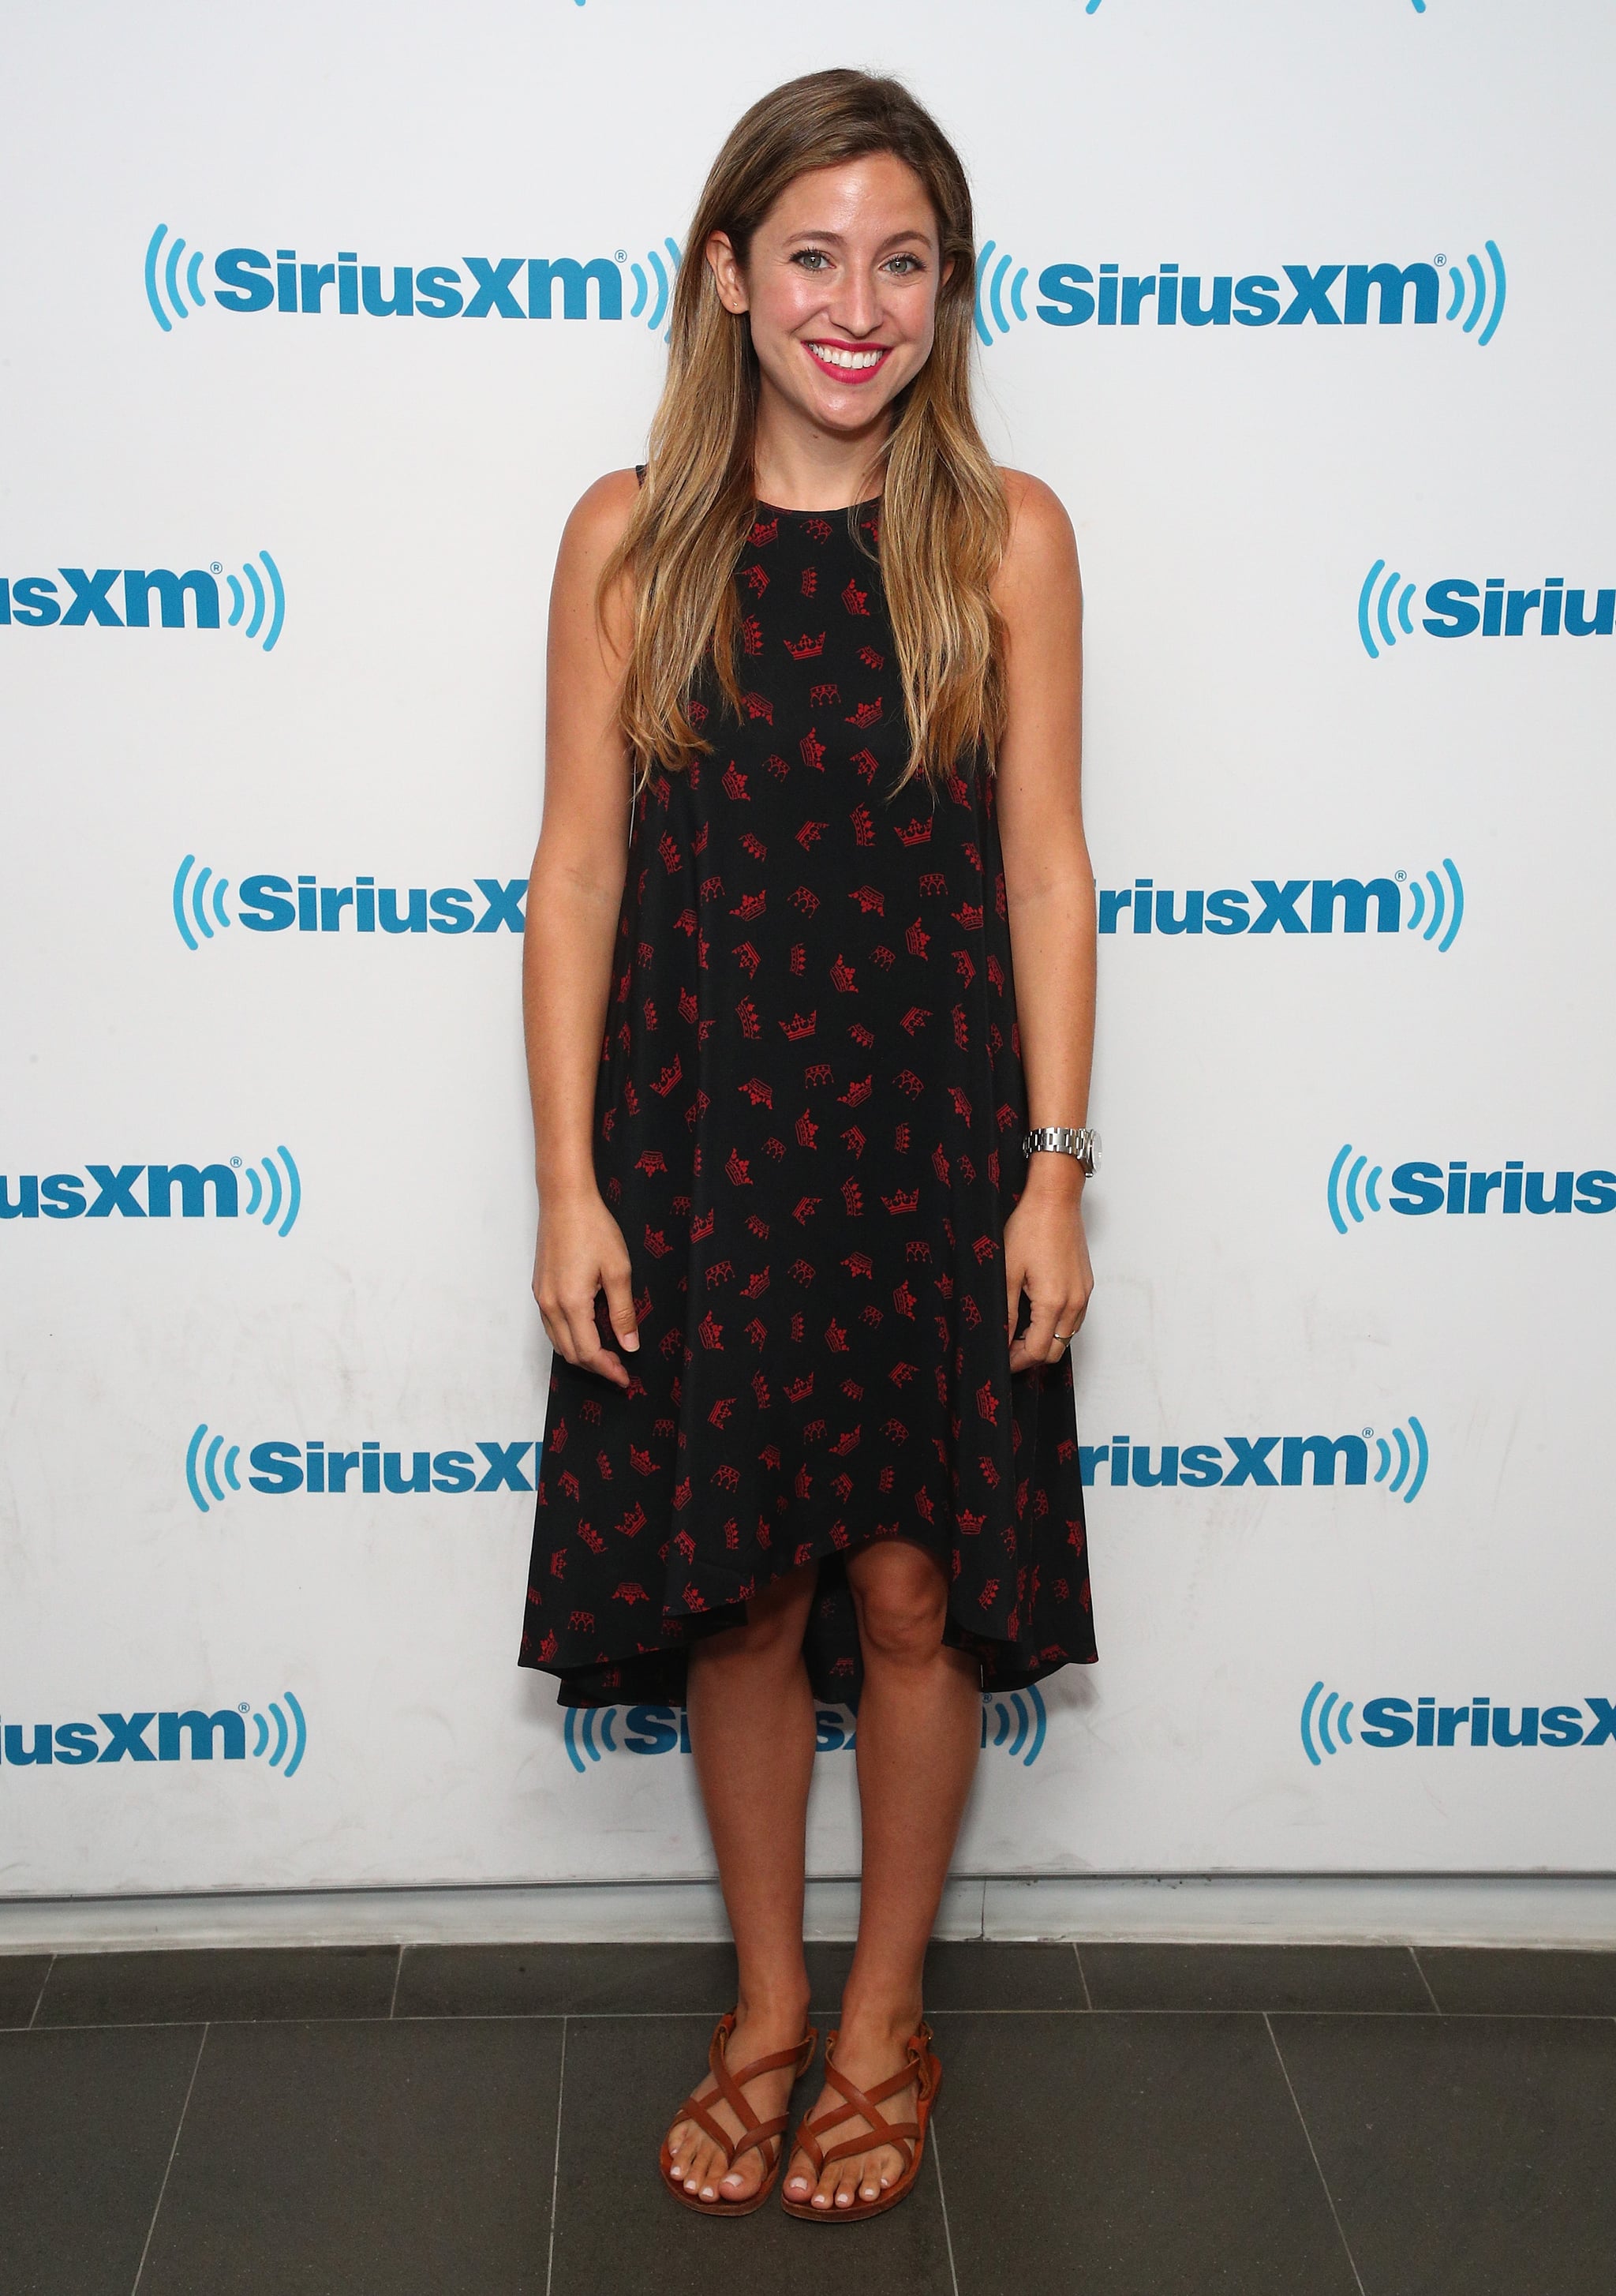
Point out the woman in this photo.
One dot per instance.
(810, 947)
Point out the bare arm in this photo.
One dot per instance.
(1049, 884)
(573, 896)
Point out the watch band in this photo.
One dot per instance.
(1081, 1141)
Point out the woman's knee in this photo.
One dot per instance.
(772, 1631)
(900, 1595)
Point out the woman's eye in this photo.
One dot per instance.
(811, 258)
(906, 265)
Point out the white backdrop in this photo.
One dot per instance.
(1264, 511)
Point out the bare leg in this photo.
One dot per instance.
(752, 1731)
(919, 1731)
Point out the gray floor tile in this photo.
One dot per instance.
(619, 2230)
(1143, 2155)
(577, 1980)
(994, 1976)
(87, 2127)
(1483, 1980)
(961, 1975)
(1253, 1976)
(196, 1985)
(364, 2159)
(22, 1975)
(828, 1964)
(1466, 2156)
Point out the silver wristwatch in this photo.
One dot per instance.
(1081, 1141)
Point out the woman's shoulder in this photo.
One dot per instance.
(596, 522)
(1041, 544)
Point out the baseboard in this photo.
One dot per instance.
(1350, 1909)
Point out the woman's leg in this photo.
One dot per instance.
(752, 1731)
(919, 1732)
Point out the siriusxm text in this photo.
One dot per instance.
(148, 1736)
(1322, 295)
(82, 599)
(1421, 1187)
(1458, 608)
(1269, 1461)
(268, 904)
(126, 1738)
(322, 1470)
(196, 1191)
(1483, 1721)
(475, 287)
(1296, 905)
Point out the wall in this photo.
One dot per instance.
(1289, 518)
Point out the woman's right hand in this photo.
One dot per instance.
(580, 1252)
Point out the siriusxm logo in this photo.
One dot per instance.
(1452, 610)
(1422, 1186)
(1014, 1722)
(268, 904)
(1322, 295)
(204, 1190)
(476, 287)
(323, 1469)
(1299, 905)
(1249, 1460)
(1326, 1723)
(35, 601)
(191, 1736)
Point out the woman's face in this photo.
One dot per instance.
(841, 287)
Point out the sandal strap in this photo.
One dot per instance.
(732, 2089)
(866, 2104)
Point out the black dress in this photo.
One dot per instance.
(808, 1126)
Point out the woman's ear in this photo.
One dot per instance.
(730, 279)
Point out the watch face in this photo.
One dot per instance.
(1094, 1154)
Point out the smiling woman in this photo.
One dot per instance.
(810, 965)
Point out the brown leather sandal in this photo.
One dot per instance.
(920, 2069)
(756, 2133)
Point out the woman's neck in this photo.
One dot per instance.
(795, 466)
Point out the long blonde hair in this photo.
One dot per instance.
(944, 517)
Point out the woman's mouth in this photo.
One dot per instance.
(849, 362)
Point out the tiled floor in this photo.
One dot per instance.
(1140, 2121)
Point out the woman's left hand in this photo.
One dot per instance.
(1046, 1255)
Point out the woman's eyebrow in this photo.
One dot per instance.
(912, 231)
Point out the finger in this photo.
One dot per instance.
(1014, 1274)
(1042, 1325)
(588, 1354)
(1066, 1324)
(620, 1310)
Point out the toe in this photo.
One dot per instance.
(847, 2185)
(799, 2177)
(740, 2182)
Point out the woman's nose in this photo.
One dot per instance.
(856, 305)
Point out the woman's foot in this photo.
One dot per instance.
(869, 2051)
(698, 2164)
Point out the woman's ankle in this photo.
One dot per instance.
(781, 2001)
(891, 2015)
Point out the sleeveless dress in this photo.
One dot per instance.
(807, 1124)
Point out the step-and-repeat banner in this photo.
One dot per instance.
(315, 328)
